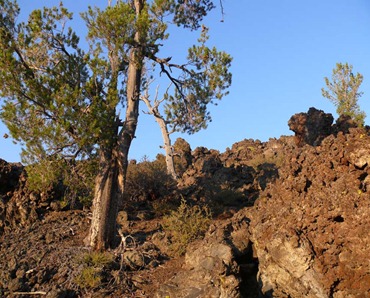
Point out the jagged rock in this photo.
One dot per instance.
(316, 243)
(220, 265)
(208, 272)
(241, 153)
(182, 153)
(209, 179)
(134, 259)
(343, 124)
(360, 156)
(311, 127)
(19, 206)
(267, 173)
(14, 206)
(307, 235)
(9, 176)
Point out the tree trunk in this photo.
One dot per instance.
(105, 205)
(109, 184)
(165, 135)
(133, 98)
(127, 133)
(167, 147)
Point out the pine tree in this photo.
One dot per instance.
(63, 102)
(343, 91)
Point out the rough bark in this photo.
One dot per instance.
(133, 98)
(105, 204)
(112, 175)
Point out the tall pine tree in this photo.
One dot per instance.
(63, 102)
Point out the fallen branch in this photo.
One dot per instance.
(30, 293)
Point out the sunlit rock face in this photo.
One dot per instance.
(310, 228)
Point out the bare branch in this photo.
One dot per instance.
(222, 11)
(30, 293)
(158, 102)
(165, 62)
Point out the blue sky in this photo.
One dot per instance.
(282, 50)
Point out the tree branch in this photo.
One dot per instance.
(23, 62)
(222, 11)
(177, 83)
(30, 293)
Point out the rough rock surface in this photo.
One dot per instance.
(39, 256)
(214, 266)
(182, 153)
(234, 178)
(304, 232)
(20, 207)
(311, 127)
(9, 176)
(308, 228)
(317, 242)
(343, 124)
(208, 272)
(15, 208)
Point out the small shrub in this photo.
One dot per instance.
(164, 207)
(92, 274)
(89, 277)
(148, 180)
(186, 224)
(97, 259)
(70, 181)
(260, 159)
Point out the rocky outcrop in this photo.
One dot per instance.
(308, 228)
(9, 176)
(316, 244)
(208, 272)
(311, 127)
(305, 232)
(20, 207)
(208, 177)
(235, 177)
(182, 155)
(216, 266)
(13, 210)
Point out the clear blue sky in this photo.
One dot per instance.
(282, 50)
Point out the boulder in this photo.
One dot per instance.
(182, 154)
(311, 127)
(9, 176)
